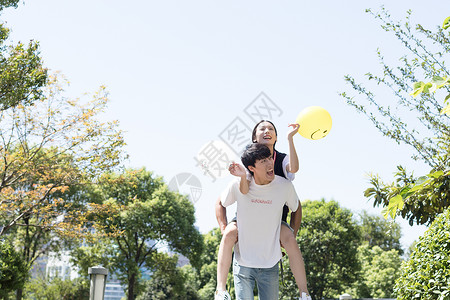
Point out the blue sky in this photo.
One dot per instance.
(180, 72)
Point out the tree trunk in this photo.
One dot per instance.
(131, 286)
(19, 293)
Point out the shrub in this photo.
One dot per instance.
(13, 269)
(426, 275)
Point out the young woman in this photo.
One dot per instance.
(286, 166)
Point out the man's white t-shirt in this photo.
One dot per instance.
(259, 220)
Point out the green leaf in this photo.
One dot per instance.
(404, 192)
(421, 180)
(417, 88)
(446, 109)
(385, 212)
(436, 174)
(447, 98)
(440, 81)
(395, 203)
(432, 88)
(416, 188)
(418, 85)
(446, 24)
(428, 87)
(438, 78)
(392, 212)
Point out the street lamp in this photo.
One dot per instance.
(98, 282)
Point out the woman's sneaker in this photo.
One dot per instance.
(305, 296)
(222, 295)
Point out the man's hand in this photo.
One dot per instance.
(237, 170)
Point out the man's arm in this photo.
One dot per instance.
(221, 215)
(239, 171)
(296, 218)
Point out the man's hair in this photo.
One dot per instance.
(254, 152)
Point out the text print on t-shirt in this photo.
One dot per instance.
(261, 201)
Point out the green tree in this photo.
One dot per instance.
(147, 215)
(48, 144)
(168, 282)
(93, 252)
(8, 3)
(328, 239)
(46, 149)
(411, 249)
(377, 231)
(208, 271)
(415, 122)
(56, 289)
(437, 82)
(379, 270)
(426, 274)
(22, 75)
(33, 238)
(31, 242)
(13, 269)
(204, 279)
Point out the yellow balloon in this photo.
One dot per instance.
(315, 122)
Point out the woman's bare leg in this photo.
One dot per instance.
(229, 238)
(295, 258)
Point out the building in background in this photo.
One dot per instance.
(58, 265)
(114, 290)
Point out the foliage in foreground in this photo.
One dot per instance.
(57, 289)
(416, 122)
(13, 269)
(426, 275)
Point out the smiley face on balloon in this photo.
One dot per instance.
(315, 122)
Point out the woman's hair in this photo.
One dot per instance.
(256, 126)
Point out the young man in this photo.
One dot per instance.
(257, 251)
